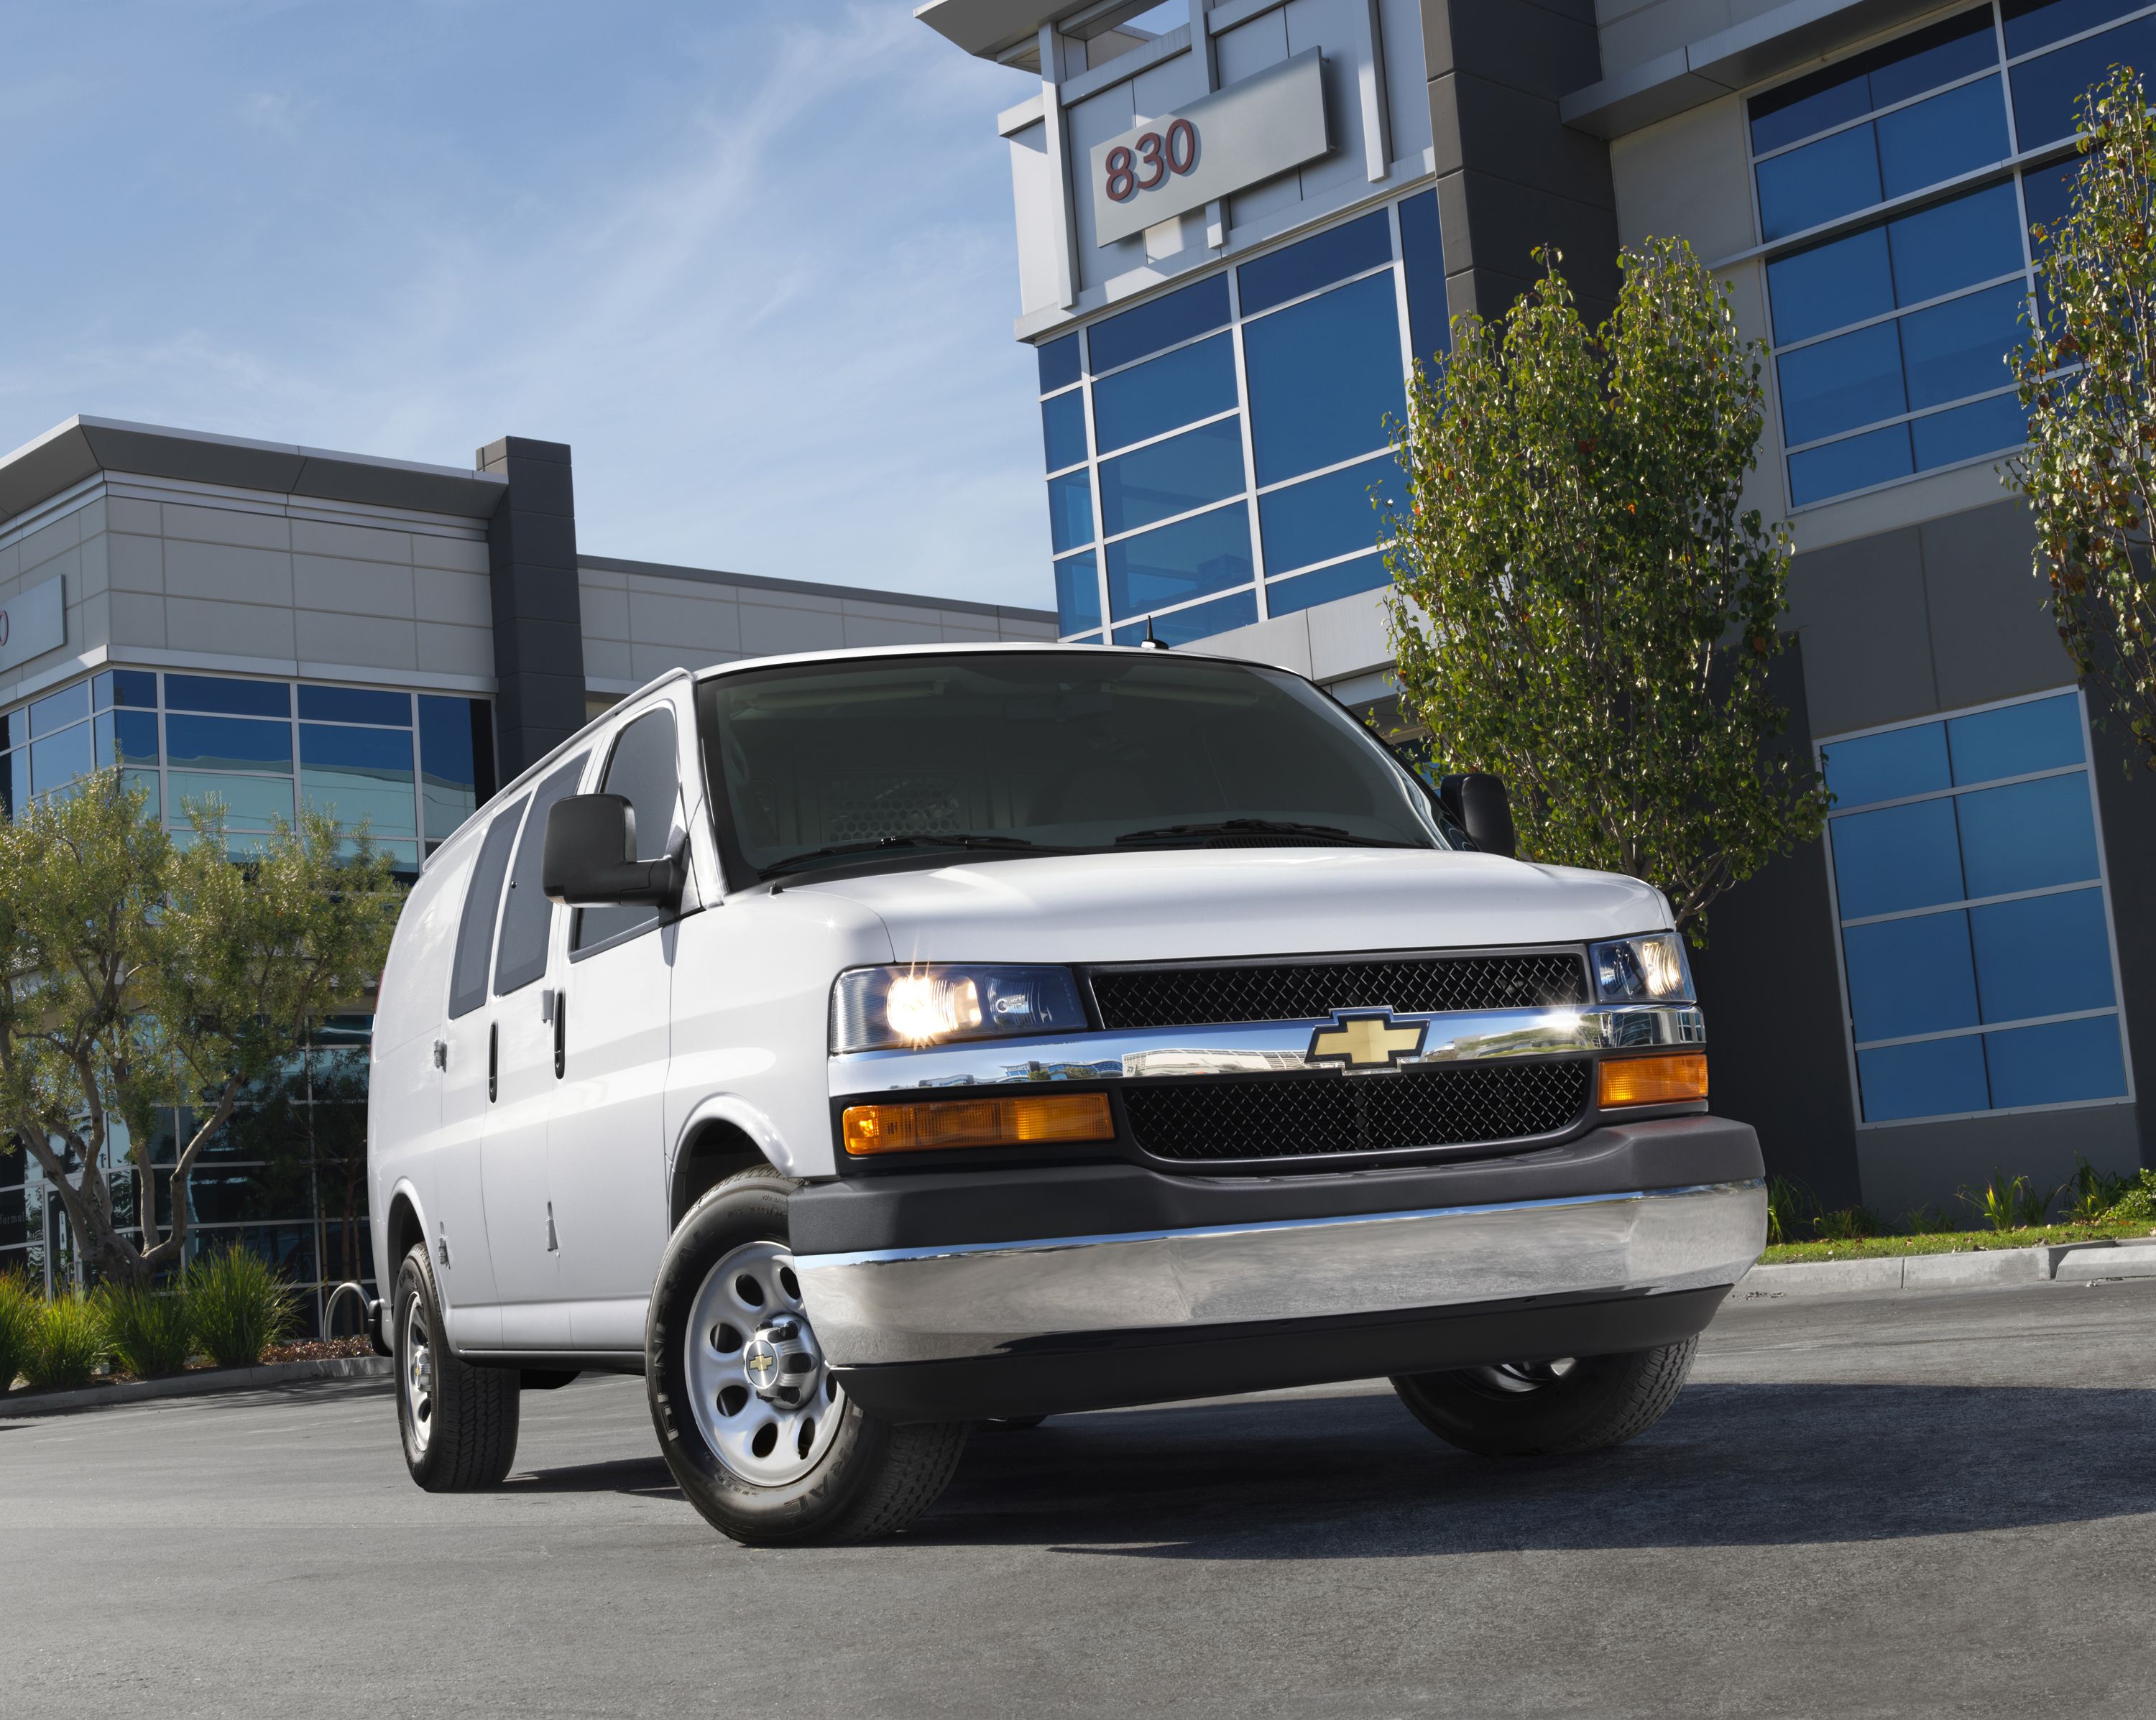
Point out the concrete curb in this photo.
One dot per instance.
(17, 1405)
(2077, 1263)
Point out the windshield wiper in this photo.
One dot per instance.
(840, 850)
(1253, 827)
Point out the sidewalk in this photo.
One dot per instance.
(2076, 1263)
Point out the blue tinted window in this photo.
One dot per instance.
(1841, 467)
(127, 738)
(1077, 594)
(2048, 192)
(356, 704)
(1902, 856)
(1984, 426)
(1171, 477)
(1830, 285)
(2047, 92)
(1955, 133)
(2016, 739)
(1063, 429)
(1069, 511)
(226, 743)
(1208, 553)
(1822, 180)
(456, 760)
(58, 759)
(1852, 379)
(1887, 767)
(1177, 387)
(1199, 621)
(1344, 579)
(1910, 976)
(1804, 106)
(2056, 1063)
(359, 776)
(1932, 1078)
(1118, 340)
(70, 704)
(1959, 348)
(1955, 245)
(1328, 516)
(127, 689)
(1315, 262)
(1422, 251)
(1928, 59)
(239, 698)
(2030, 23)
(2028, 836)
(2043, 955)
(1324, 377)
(1058, 363)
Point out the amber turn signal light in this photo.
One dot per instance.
(931, 1125)
(1666, 1078)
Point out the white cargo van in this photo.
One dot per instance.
(867, 1046)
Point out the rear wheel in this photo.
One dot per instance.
(458, 1422)
(754, 1424)
(1549, 1409)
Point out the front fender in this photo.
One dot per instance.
(737, 1112)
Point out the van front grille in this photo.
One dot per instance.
(1310, 991)
(1294, 1116)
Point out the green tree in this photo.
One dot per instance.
(1582, 602)
(140, 973)
(2089, 472)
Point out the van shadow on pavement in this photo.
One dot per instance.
(1735, 1465)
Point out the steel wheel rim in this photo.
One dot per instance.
(1515, 1378)
(417, 1376)
(748, 1344)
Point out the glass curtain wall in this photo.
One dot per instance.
(1976, 936)
(1896, 190)
(1219, 454)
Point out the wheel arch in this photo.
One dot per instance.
(722, 1136)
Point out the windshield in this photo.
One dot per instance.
(820, 764)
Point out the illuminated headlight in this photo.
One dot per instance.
(881, 1009)
(1647, 969)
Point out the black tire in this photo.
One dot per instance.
(1530, 1412)
(468, 1440)
(873, 1479)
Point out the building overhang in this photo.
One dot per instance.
(83, 448)
(1786, 38)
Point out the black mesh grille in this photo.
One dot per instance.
(1287, 1117)
(1297, 991)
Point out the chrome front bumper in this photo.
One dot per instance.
(905, 1305)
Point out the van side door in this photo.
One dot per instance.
(606, 1144)
(520, 1211)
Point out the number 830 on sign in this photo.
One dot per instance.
(1132, 168)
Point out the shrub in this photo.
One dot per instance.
(69, 1345)
(1851, 1224)
(149, 1329)
(1788, 1203)
(1925, 1221)
(21, 1312)
(240, 1306)
(2095, 1192)
(2007, 1205)
(2137, 1205)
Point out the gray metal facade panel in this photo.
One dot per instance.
(1863, 613)
(538, 629)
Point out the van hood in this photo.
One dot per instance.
(1187, 905)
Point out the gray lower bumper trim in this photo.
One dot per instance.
(933, 1304)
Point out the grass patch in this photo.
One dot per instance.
(1946, 1241)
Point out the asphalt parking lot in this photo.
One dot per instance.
(1939, 1503)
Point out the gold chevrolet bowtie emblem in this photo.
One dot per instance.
(1366, 1041)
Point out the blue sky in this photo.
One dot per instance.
(752, 258)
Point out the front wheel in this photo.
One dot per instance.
(754, 1424)
(1549, 1409)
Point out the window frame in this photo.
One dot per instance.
(1837, 924)
(659, 916)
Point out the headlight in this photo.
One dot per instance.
(880, 1009)
(1646, 970)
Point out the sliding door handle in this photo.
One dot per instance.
(493, 1060)
(561, 1032)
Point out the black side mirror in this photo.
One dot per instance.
(590, 857)
(1478, 803)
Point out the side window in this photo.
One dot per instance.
(522, 956)
(475, 930)
(643, 772)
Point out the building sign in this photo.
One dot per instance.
(34, 622)
(1181, 162)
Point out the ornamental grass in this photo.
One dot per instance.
(150, 1331)
(69, 1345)
(240, 1304)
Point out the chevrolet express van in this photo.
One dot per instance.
(867, 1046)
